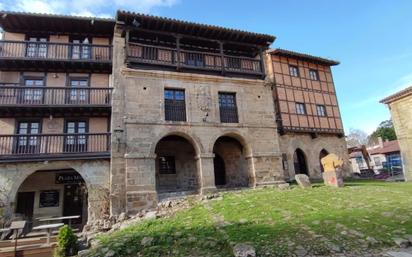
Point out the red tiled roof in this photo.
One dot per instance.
(388, 147)
(405, 92)
(303, 56)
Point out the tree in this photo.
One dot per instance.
(385, 130)
(356, 137)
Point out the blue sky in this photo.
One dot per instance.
(371, 38)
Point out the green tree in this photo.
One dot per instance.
(66, 242)
(385, 130)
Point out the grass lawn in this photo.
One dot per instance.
(362, 216)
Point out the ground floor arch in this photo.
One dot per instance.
(323, 153)
(299, 162)
(231, 167)
(52, 193)
(176, 165)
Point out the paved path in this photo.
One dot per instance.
(401, 253)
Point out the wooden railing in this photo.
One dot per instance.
(16, 94)
(55, 51)
(53, 144)
(193, 59)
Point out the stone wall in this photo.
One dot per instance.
(312, 148)
(401, 111)
(94, 172)
(138, 124)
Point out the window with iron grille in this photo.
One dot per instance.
(167, 165)
(300, 108)
(228, 108)
(313, 74)
(321, 110)
(293, 71)
(175, 107)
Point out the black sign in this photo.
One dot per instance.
(49, 198)
(68, 178)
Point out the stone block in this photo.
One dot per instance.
(303, 181)
(333, 178)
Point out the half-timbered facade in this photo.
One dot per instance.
(55, 109)
(307, 111)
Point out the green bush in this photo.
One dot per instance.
(66, 242)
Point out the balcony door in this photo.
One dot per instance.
(32, 91)
(28, 140)
(37, 47)
(81, 49)
(78, 92)
(76, 139)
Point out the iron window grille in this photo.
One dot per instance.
(167, 165)
(228, 108)
(175, 106)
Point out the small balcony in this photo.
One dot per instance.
(34, 147)
(23, 55)
(180, 59)
(16, 97)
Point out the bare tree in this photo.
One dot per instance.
(356, 137)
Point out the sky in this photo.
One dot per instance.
(371, 38)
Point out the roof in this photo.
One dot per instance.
(21, 22)
(191, 28)
(388, 147)
(303, 56)
(401, 94)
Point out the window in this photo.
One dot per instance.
(293, 71)
(32, 93)
(377, 161)
(81, 48)
(313, 74)
(300, 108)
(228, 108)
(28, 140)
(321, 110)
(175, 107)
(78, 92)
(37, 48)
(167, 165)
(77, 140)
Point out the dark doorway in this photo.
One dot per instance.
(25, 205)
(73, 201)
(322, 154)
(299, 162)
(220, 172)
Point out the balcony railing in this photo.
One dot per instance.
(54, 51)
(157, 55)
(53, 145)
(20, 95)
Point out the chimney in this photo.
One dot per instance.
(380, 140)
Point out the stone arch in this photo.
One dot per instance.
(300, 162)
(236, 135)
(322, 154)
(236, 153)
(189, 137)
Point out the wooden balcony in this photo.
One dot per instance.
(181, 60)
(35, 147)
(15, 98)
(28, 55)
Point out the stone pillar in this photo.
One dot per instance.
(207, 172)
(140, 183)
(267, 169)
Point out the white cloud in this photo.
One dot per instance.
(101, 8)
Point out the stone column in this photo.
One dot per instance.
(140, 183)
(207, 173)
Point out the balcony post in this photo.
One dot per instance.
(178, 52)
(262, 62)
(222, 57)
(127, 42)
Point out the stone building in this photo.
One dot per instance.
(102, 116)
(307, 112)
(192, 111)
(55, 106)
(400, 106)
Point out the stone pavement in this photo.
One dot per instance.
(407, 252)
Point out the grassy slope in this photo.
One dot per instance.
(362, 215)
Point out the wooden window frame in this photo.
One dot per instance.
(223, 110)
(297, 75)
(315, 73)
(298, 110)
(174, 103)
(322, 113)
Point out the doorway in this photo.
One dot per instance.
(25, 206)
(299, 162)
(73, 202)
(220, 172)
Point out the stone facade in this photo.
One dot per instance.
(400, 106)
(139, 123)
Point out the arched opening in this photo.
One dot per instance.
(323, 153)
(176, 168)
(230, 162)
(49, 194)
(299, 162)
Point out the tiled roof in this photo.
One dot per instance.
(303, 56)
(197, 29)
(405, 92)
(388, 147)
